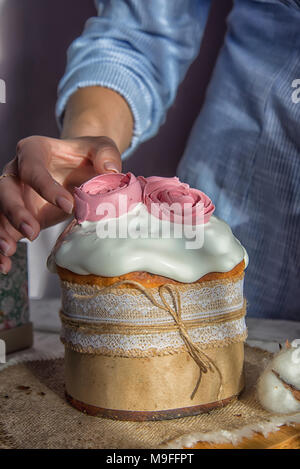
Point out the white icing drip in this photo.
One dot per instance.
(83, 252)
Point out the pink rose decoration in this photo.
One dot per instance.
(166, 198)
(106, 188)
(190, 204)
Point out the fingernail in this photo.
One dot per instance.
(111, 166)
(4, 247)
(27, 230)
(64, 204)
(2, 270)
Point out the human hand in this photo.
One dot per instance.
(36, 191)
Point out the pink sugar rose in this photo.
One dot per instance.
(170, 199)
(106, 188)
(166, 198)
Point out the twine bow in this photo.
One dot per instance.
(204, 363)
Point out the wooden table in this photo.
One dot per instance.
(285, 438)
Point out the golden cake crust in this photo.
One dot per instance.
(144, 278)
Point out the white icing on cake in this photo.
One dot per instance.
(84, 252)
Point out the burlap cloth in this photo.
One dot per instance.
(34, 414)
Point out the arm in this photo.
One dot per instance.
(37, 193)
(96, 111)
(139, 48)
(121, 77)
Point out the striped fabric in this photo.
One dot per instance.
(244, 149)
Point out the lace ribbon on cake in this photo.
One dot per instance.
(147, 324)
(151, 344)
(205, 300)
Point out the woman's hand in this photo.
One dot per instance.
(37, 191)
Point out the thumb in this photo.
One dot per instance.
(105, 156)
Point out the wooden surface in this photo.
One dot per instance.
(285, 438)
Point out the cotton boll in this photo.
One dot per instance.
(287, 364)
(279, 385)
(274, 397)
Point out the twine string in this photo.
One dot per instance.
(203, 362)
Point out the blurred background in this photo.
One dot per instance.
(34, 37)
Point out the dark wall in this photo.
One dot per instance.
(34, 36)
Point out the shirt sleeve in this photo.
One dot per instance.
(139, 48)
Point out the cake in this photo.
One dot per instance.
(153, 312)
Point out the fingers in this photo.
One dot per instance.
(13, 208)
(39, 179)
(36, 154)
(106, 157)
(36, 157)
(5, 264)
(101, 151)
(33, 156)
(8, 243)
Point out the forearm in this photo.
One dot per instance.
(97, 111)
(140, 48)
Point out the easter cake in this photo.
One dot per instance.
(153, 312)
